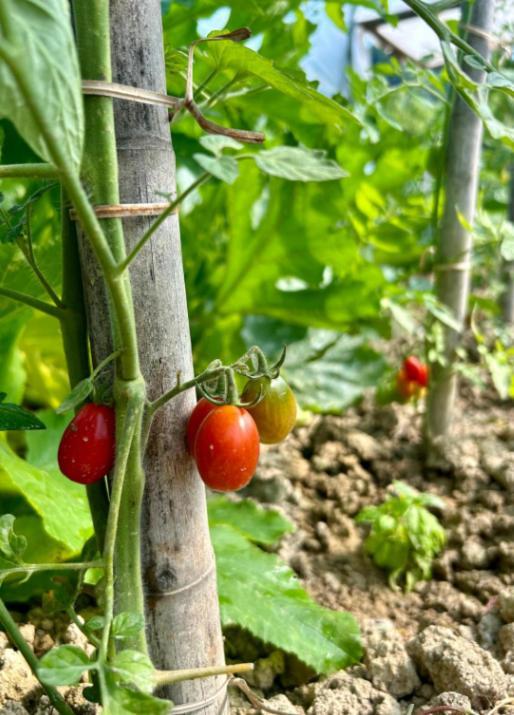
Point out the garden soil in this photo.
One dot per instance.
(450, 642)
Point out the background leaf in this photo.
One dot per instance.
(270, 603)
(298, 164)
(45, 53)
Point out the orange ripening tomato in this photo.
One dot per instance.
(407, 389)
(275, 414)
(226, 448)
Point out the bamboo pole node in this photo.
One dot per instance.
(187, 587)
(460, 266)
(127, 210)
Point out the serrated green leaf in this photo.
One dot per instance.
(64, 665)
(42, 48)
(271, 604)
(133, 667)
(298, 164)
(329, 372)
(77, 396)
(14, 417)
(230, 55)
(61, 504)
(222, 167)
(125, 700)
(263, 526)
(96, 623)
(12, 546)
(127, 624)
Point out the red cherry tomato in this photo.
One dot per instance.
(275, 414)
(86, 451)
(407, 389)
(416, 370)
(226, 448)
(200, 412)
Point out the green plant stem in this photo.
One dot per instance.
(126, 423)
(167, 677)
(74, 337)
(444, 34)
(205, 376)
(165, 214)
(28, 252)
(35, 303)
(36, 171)
(124, 588)
(66, 566)
(17, 639)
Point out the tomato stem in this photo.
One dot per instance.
(167, 677)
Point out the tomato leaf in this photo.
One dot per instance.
(14, 417)
(80, 392)
(244, 61)
(43, 50)
(222, 167)
(12, 546)
(328, 371)
(134, 667)
(270, 602)
(298, 164)
(127, 624)
(64, 665)
(126, 700)
(263, 526)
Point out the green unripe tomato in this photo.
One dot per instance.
(275, 414)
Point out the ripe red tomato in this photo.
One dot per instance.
(407, 388)
(200, 412)
(416, 370)
(275, 414)
(226, 448)
(86, 451)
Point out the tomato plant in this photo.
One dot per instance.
(275, 413)
(226, 448)
(87, 448)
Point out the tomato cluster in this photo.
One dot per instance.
(224, 439)
(412, 379)
(86, 451)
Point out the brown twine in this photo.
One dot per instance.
(132, 94)
(127, 210)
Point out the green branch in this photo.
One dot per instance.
(168, 677)
(15, 636)
(36, 568)
(165, 214)
(35, 303)
(126, 425)
(444, 33)
(36, 171)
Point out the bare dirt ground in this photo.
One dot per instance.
(450, 642)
